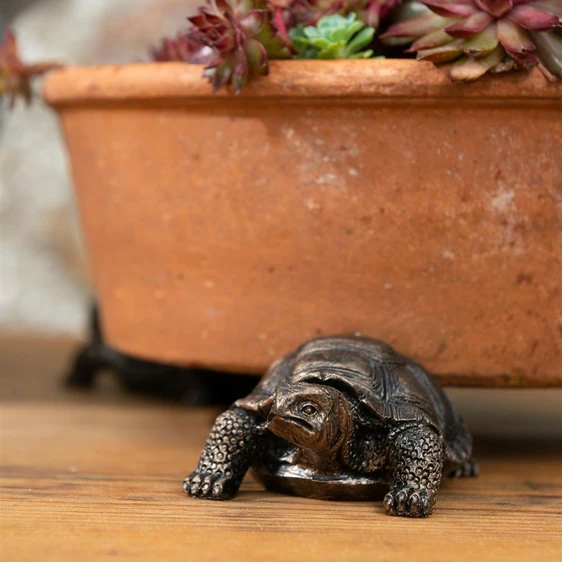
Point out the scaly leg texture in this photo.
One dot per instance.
(235, 443)
(416, 461)
(467, 469)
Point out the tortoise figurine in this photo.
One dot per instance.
(343, 417)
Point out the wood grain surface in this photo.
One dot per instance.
(98, 477)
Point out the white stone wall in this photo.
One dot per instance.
(43, 273)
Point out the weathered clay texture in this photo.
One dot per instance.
(367, 196)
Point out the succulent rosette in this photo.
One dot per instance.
(333, 37)
(483, 35)
(234, 38)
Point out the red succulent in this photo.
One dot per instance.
(308, 12)
(373, 11)
(241, 38)
(485, 35)
(182, 49)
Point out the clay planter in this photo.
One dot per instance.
(330, 197)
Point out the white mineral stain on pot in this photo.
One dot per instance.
(502, 202)
(312, 205)
(386, 72)
(327, 179)
(288, 132)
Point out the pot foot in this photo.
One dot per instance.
(194, 387)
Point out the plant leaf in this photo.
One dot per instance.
(361, 40)
(496, 8)
(514, 38)
(416, 27)
(447, 8)
(470, 25)
(533, 18)
(446, 53)
(469, 69)
(431, 40)
(482, 43)
(551, 6)
(549, 52)
(257, 57)
(253, 22)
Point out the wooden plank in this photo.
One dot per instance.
(103, 482)
(97, 476)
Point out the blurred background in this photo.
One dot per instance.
(44, 281)
(44, 276)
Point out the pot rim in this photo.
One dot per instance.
(374, 79)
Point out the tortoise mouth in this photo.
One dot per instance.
(292, 420)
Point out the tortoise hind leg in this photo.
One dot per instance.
(459, 462)
(468, 469)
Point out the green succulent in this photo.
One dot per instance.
(333, 37)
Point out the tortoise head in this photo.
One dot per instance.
(312, 416)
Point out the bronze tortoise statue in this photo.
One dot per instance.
(343, 417)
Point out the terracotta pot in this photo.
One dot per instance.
(370, 196)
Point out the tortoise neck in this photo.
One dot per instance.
(331, 459)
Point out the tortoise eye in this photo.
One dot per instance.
(309, 409)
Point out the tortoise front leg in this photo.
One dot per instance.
(232, 447)
(416, 462)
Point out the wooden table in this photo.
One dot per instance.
(97, 476)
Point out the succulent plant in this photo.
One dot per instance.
(309, 12)
(334, 37)
(234, 38)
(182, 49)
(16, 76)
(373, 11)
(483, 35)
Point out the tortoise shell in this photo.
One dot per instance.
(391, 388)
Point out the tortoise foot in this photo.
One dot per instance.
(210, 485)
(410, 502)
(468, 469)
